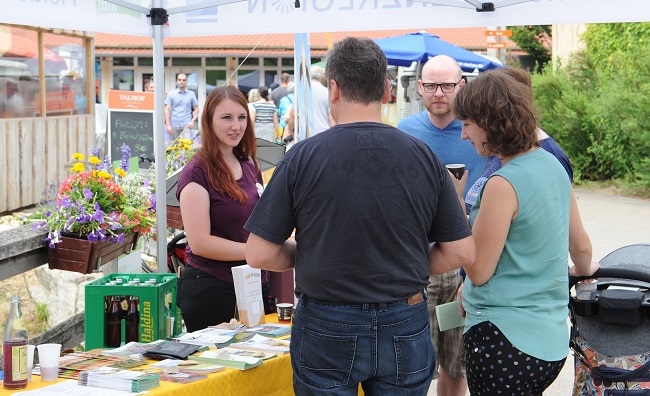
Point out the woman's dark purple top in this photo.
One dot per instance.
(227, 217)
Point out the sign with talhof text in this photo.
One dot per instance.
(130, 122)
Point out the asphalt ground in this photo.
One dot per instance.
(612, 222)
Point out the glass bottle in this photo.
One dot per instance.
(133, 320)
(14, 348)
(113, 325)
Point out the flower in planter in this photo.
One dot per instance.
(178, 153)
(100, 202)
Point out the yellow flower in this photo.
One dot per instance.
(94, 173)
(78, 167)
(185, 141)
(78, 156)
(104, 175)
(94, 160)
(120, 172)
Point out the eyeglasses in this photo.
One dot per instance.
(445, 87)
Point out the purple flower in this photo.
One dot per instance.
(87, 193)
(92, 237)
(153, 202)
(98, 216)
(106, 164)
(120, 238)
(48, 213)
(126, 155)
(65, 202)
(94, 152)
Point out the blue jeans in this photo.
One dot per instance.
(386, 347)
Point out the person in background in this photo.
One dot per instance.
(217, 190)
(181, 108)
(321, 103)
(264, 116)
(281, 91)
(253, 96)
(367, 202)
(436, 126)
(149, 86)
(525, 224)
(285, 103)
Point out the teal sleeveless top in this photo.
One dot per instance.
(527, 296)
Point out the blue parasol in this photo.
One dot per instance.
(420, 46)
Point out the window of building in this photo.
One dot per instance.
(19, 90)
(123, 61)
(147, 61)
(123, 79)
(215, 61)
(186, 61)
(213, 79)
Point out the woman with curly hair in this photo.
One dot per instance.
(525, 223)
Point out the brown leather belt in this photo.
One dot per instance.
(416, 298)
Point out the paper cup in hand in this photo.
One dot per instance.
(48, 359)
(457, 170)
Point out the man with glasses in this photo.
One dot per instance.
(436, 126)
(181, 108)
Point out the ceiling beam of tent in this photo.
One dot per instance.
(158, 17)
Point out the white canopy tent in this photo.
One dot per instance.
(238, 17)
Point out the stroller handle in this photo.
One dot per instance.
(612, 273)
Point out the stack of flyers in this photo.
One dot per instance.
(113, 378)
(223, 357)
(264, 344)
(271, 330)
(187, 366)
(248, 291)
(210, 336)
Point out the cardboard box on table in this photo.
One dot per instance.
(156, 302)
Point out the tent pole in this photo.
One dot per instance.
(159, 143)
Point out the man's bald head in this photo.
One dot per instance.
(441, 64)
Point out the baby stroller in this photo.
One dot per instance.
(610, 326)
(176, 254)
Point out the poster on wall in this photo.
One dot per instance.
(130, 122)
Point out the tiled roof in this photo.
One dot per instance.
(473, 39)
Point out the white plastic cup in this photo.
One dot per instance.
(30, 361)
(48, 359)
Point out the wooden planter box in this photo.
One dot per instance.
(174, 219)
(84, 256)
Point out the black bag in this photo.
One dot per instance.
(621, 307)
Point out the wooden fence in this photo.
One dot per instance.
(33, 155)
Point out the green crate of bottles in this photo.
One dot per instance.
(157, 303)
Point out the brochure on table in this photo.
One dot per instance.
(248, 291)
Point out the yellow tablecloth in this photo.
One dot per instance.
(272, 378)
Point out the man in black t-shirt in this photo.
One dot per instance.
(374, 214)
